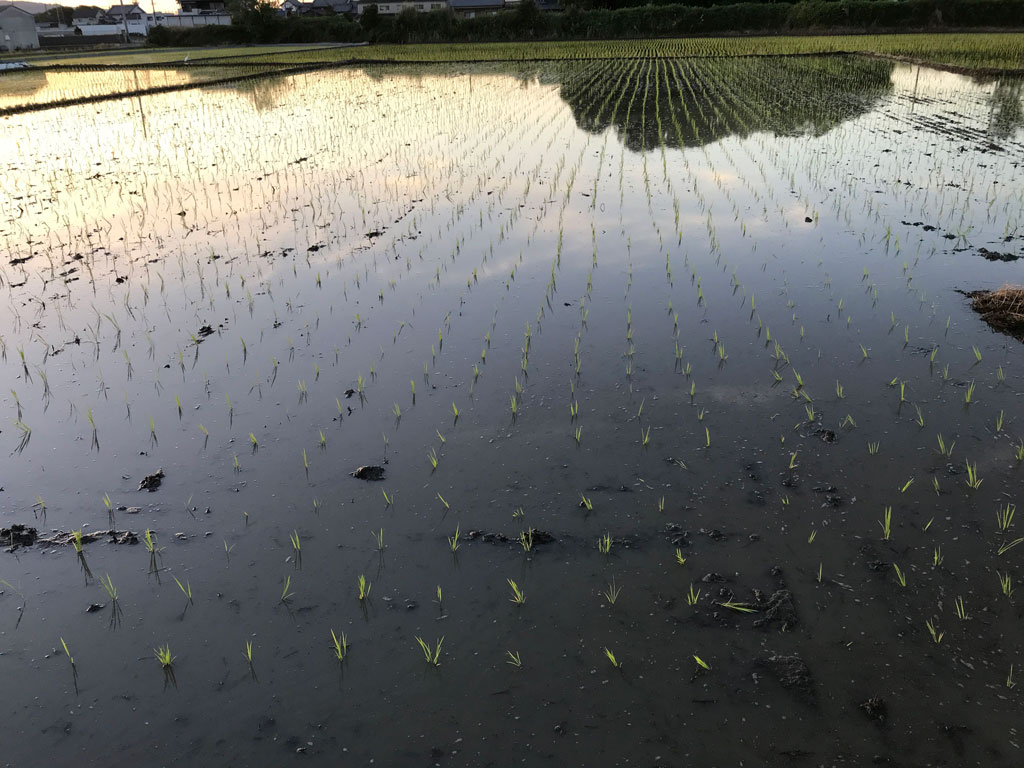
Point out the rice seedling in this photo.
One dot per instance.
(935, 633)
(286, 591)
(692, 596)
(586, 503)
(293, 537)
(969, 393)
(67, 653)
(611, 657)
(364, 588)
(679, 557)
(526, 539)
(432, 458)
(738, 607)
(812, 537)
(518, 595)
(973, 481)
(1004, 516)
(960, 609)
(453, 541)
(1005, 584)
(388, 500)
(977, 355)
(247, 653)
(886, 523)
(432, 656)
(186, 590)
(937, 557)
(612, 593)
(514, 659)
(604, 544)
(378, 539)
(906, 485)
(1010, 683)
(1006, 546)
(339, 646)
(900, 576)
(163, 655)
(999, 422)
(76, 540)
(943, 449)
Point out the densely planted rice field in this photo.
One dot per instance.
(689, 450)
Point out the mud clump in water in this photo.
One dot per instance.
(18, 536)
(369, 473)
(1002, 309)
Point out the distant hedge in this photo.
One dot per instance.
(527, 23)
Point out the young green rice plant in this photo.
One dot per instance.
(163, 655)
(513, 659)
(586, 503)
(1018, 451)
(339, 646)
(936, 635)
(455, 411)
(919, 418)
(286, 592)
(701, 663)
(76, 540)
(1005, 584)
(612, 593)
(604, 544)
(848, 423)
(247, 653)
(378, 539)
(692, 596)
(388, 500)
(839, 390)
(738, 607)
(906, 485)
(518, 595)
(364, 588)
(999, 422)
(943, 449)
(1006, 546)
(453, 541)
(937, 557)
(611, 657)
(812, 537)
(886, 523)
(873, 448)
(960, 609)
(977, 355)
(900, 576)
(645, 436)
(973, 481)
(1009, 679)
(432, 656)
(526, 539)
(1004, 516)
(186, 589)
(293, 537)
(969, 393)
(446, 505)
(67, 652)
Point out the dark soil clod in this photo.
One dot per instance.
(791, 672)
(997, 256)
(369, 472)
(875, 708)
(1002, 309)
(778, 608)
(151, 482)
(18, 535)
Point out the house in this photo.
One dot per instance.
(333, 7)
(296, 7)
(130, 18)
(86, 16)
(473, 8)
(395, 7)
(17, 29)
(189, 7)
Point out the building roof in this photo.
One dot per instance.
(474, 5)
(123, 10)
(6, 8)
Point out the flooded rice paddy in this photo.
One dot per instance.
(681, 443)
